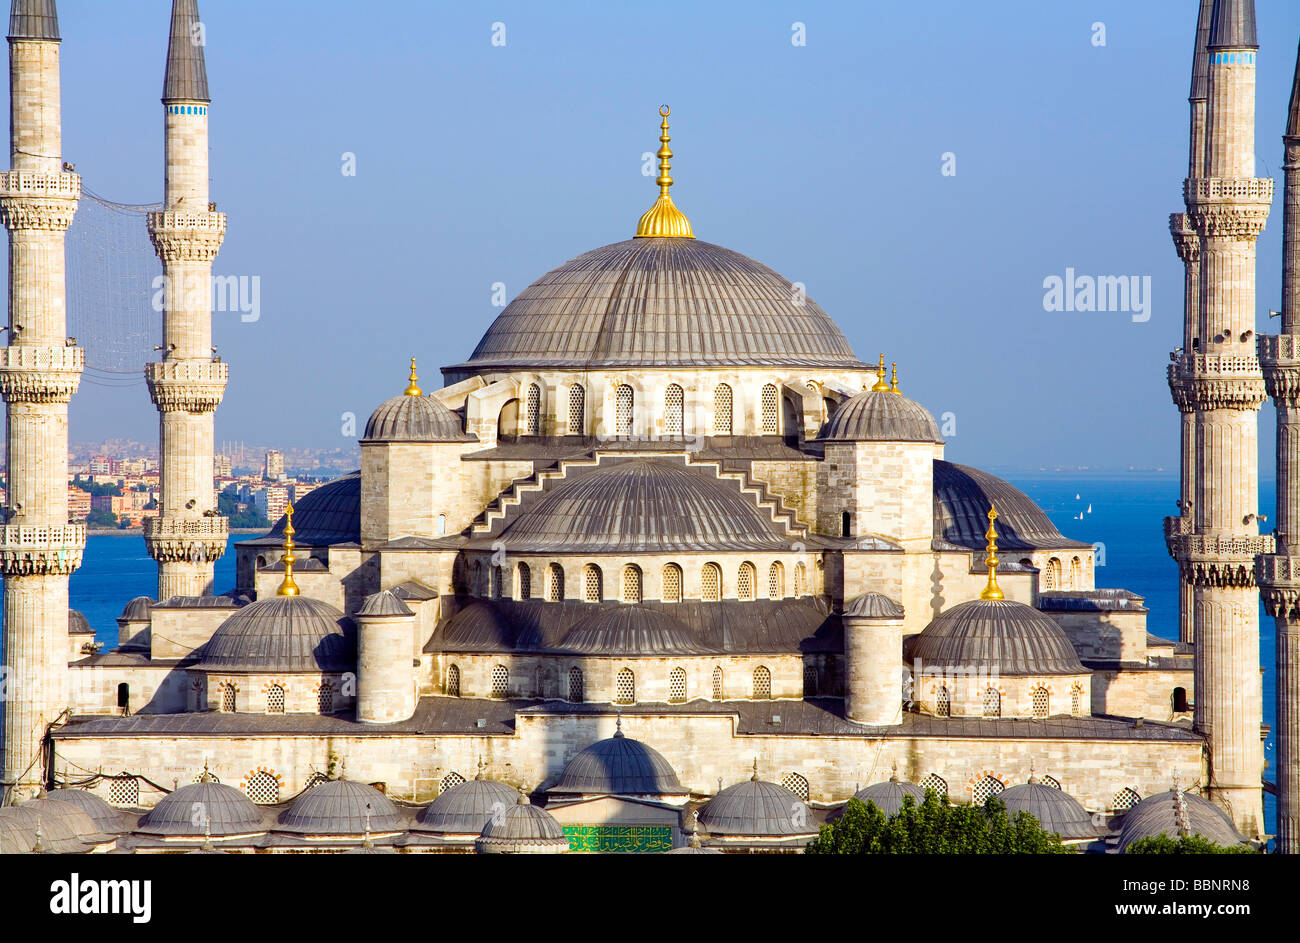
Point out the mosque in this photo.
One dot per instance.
(662, 565)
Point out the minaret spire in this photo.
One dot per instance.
(34, 20)
(187, 74)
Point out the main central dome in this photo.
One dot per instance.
(660, 302)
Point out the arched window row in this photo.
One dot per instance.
(517, 582)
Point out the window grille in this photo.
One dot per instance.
(796, 784)
(674, 409)
(986, 789)
(623, 410)
(275, 699)
(555, 583)
(809, 681)
(525, 581)
(672, 579)
(534, 409)
(776, 581)
(762, 683)
(677, 685)
(500, 679)
(325, 698)
(1125, 799)
(1042, 703)
(263, 789)
(450, 781)
(717, 684)
(228, 698)
(631, 584)
(453, 681)
(770, 412)
(943, 703)
(576, 687)
(625, 687)
(1051, 781)
(711, 583)
(934, 783)
(124, 792)
(577, 409)
(591, 589)
(722, 410)
(745, 582)
(992, 702)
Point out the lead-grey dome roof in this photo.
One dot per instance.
(328, 514)
(77, 623)
(384, 603)
(631, 630)
(888, 796)
(228, 810)
(759, 809)
(997, 636)
(338, 807)
(881, 416)
(523, 828)
(139, 609)
(1056, 810)
(659, 302)
(33, 20)
(962, 496)
(282, 634)
(1156, 815)
(415, 419)
(106, 818)
(873, 606)
(618, 766)
(64, 826)
(466, 808)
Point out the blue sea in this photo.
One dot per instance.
(1126, 515)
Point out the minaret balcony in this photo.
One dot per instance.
(1218, 381)
(1243, 190)
(29, 184)
(1279, 358)
(31, 374)
(41, 549)
(184, 236)
(1279, 580)
(193, 386)
(186, 540)
(1222, 560)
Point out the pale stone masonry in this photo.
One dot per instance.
(39, 371)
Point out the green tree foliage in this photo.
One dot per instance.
(101, 519)
(228, 505)
(1183, 845)
(95, 490)
(935, 827)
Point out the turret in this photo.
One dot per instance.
(385, 669)
(873, 658)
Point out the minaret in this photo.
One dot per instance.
(1227, 207)
(187, 383)
(1279, 575)
(39, 372)
(1189, 250)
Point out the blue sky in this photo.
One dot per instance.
(479, 164)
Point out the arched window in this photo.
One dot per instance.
(992, 702)
(275, 699)
(672, 583)
(1052, 576)
(674, 409)
(576, 688)
(809, 681)
(1051, 781)
(227, 697)
(263, 788)
(631, 584)
(124, 698)
(776, 581)
(770, 410)
(592, 590)
(124, 791)
(494, 575)
(453, 681)
(935, 784)
(943, 702)
(555, 583)
(577, 409)
(500, 680)
(717, 683)
(762, 683)
(623, 399)
(677, 685)
(1041, 701)
(1180, 701)
(1076, 699)
(508, 419)
(846, 524)
(711, 583)
(1076, 573)
(312, 781)
(722, 410)
(450, 781)
(800, 580)
(796, 784)
(325, 698)
(986, 789)
(1125, 799)
(476, 578)
(533, 410)
(625, 687)
(442, 524)
(745, 582)
(525, 581)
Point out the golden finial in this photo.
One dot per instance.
(287, 586)
(991, 591)
(413, 390)
(664, 219)
(881, 386)
(893, 381)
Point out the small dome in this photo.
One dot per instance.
(995, 636)
(881, 416)
(888, 796)
(138, 609)
(280, 634)
(65, 828)
(618, 766)
(386, 603)
(874, 606)
(14, 837)
(757, 809)
(229, 813)
(1056, 810)
(1157, 815)
(466, 808)
(106, 818)
(338, 807)
(414, 419)
(523, 829)
(77, 624)
(631, 630)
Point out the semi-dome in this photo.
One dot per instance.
(106, 818)
(757, 809)
(888, 796)
(414, 419)
(618, 766)
(881, 416)
(466, 808)
(522, 829)
(1056, 810)
(282, 633)
(640, 505)
(229, 813)
(339, 807)
(659, 302)
(64, 827)
(994, 637)
(962, 498)
(1159, 814)
(631, 630)
(328, 514)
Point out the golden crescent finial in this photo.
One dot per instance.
(992, 590)
(664, 218)
(664, 111)
(287, 586)
(413, 389)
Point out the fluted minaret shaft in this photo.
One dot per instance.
(187, 382)
(1279, 574)
(39, 372)
(1228, 207)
